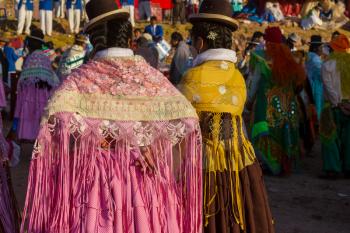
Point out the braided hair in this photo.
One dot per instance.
(113, 33)
(215, 35)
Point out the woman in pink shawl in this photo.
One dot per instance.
(35, 87)
(119, 148)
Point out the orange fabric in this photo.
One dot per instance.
(285, 70)
(340, 43)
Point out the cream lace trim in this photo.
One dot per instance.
(120, 108)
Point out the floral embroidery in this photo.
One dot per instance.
(212, 35)
(119, 76)
(196, 98)
(143, 133)
(235, 100)
(222, 89)
(224, 65)
(176, 132)
(108, 129)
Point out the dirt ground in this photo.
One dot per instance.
(301, 203)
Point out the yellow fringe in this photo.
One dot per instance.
(216, 160)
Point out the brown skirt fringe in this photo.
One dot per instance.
(257, 214)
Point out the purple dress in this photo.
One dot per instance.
(35, 87)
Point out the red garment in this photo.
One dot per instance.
(291, 8)
(16, 43)
(164, 4)
(118, 3)
(288, 7)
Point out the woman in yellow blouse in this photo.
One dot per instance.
(235, 198)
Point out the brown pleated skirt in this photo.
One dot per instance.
(256, 210)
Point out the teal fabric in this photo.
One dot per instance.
(336, 153)
(313, 66)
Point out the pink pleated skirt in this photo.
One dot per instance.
(140, 204)
(31, 102)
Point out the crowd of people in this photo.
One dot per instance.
(322, 14)
(131, 135)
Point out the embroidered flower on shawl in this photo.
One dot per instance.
(224, 65)
(212, 35)
(235, 100)
(77, 126)
(196, 98)
(222, 89)
(109, 129)
(143, 133)
(176, 132)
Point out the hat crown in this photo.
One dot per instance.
(38, 33)
(220, 7)
(95, 8)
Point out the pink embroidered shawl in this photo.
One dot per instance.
(119, 151)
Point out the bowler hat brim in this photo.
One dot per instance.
(316, 43)
(202, 17)
(115, 14)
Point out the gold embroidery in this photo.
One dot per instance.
(120, 108)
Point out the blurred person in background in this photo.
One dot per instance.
(182, 60)
(46, 7)
(145, 10)
(130, 5)
(25, 15)
(179, 11)
(149, 53)
(74, 9)
(11, 56)
(155, 29)
(335, 116)
(73, 57)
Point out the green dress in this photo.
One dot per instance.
(275, 127)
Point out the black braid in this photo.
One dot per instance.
(223, 34)
(114, 33)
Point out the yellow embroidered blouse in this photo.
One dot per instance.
(217, 90)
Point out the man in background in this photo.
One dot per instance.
(155, 29)
(129, 4)
(149, 53)
(179, 11)
(74, 8)
(182, 59)
(145, 9)
(73, 57)
(46, 7)
(25, 15)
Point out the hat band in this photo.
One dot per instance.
(100, 17)
(215, 16)
(36, 38)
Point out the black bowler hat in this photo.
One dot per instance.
(219, 11)
(316, 40)
(100, 11)
(36, 34)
